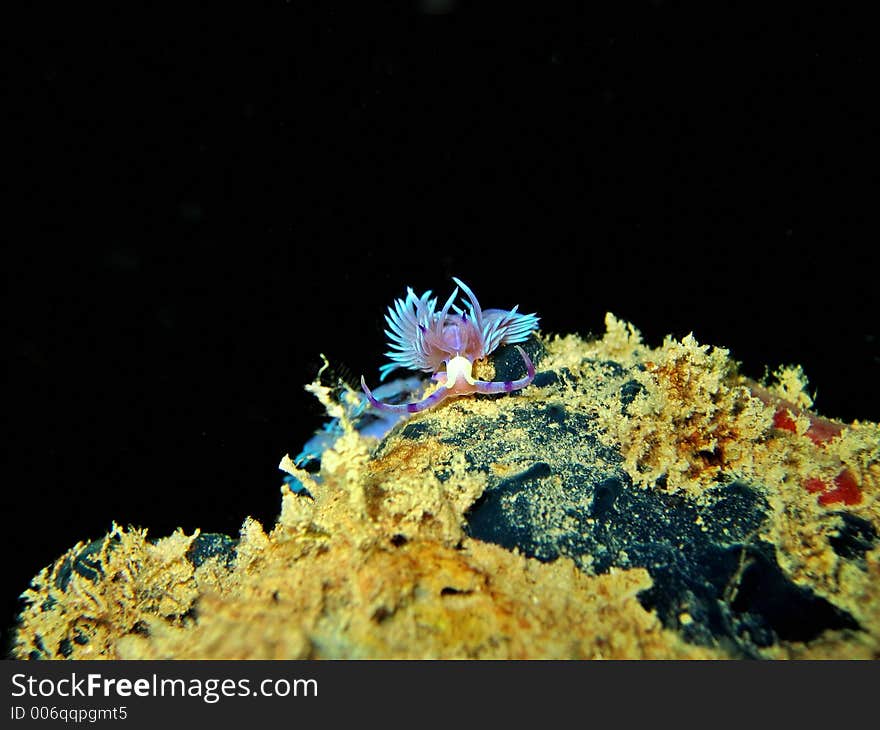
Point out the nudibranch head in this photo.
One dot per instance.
(447, 342)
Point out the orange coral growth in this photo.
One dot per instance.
(846, 491)
(820, 431)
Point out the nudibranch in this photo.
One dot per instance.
(448, 342)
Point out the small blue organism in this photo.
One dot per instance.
(296, 486)
(447, 343)
(366, 421)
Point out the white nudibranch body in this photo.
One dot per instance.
(458, 378)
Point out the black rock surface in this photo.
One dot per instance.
(715, 581)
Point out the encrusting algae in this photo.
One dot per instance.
(494, 527)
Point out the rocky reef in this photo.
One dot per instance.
(633, 502)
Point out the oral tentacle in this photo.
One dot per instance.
(507, 386)
(428, 402)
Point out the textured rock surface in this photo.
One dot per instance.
(633, 502)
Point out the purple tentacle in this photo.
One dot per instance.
(506, 386)
(432, 400)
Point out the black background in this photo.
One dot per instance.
(207, 206)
